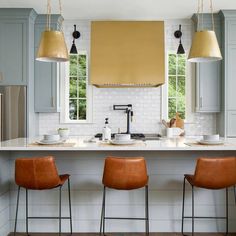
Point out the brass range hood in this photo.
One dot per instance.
(127, 54)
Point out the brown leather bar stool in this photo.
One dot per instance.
(124, 174)
(40, 173)
(211, 173)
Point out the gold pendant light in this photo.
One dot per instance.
(205, 47)
(52, 46)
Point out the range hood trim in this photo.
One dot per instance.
(127, 85)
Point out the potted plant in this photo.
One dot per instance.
(63, 132)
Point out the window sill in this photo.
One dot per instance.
(77, 122)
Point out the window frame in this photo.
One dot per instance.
(189, 89)
(65, 85)
(177, 77)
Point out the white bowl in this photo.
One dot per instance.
(122, 137)
(51, 137)
(64, 133)
(214, 137)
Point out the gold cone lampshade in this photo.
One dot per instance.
(52, 47)
(204, 47)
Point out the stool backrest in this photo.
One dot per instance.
(215, 173)
(125, 173)
(36, 173)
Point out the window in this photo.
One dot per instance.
(75, 109)
(176, 85)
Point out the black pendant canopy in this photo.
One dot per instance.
(76, 35)
(178, 34)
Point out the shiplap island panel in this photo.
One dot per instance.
(167, 160)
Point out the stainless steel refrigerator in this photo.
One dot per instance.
(12, 112)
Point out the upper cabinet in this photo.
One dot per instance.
(16, 45)
(208, 75)
(46, 73)
(17, 55)
(208, 79)
(127, 53)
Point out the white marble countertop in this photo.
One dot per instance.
(80, 144)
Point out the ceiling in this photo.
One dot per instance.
(122, 9)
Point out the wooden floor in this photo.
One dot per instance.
(124, 234)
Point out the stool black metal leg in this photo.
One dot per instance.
(102, 212)
(182, 225)
(235, 194)
(17, 205)
(70, 205)
(26, 204)
(60, 211)
(192, 210)
(227, 212)
(146, 210)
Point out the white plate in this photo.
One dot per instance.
(126, 142)
(206, 142)
(46, 142)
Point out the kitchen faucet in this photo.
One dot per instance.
(128, 111)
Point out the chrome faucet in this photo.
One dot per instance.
(128, 110)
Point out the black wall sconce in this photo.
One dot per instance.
(76, 35)
(178, 34)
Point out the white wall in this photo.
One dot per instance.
(147, 102)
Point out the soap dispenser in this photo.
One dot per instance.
(106, 134)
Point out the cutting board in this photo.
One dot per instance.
(179, 122)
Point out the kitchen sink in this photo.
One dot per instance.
(138, 136)
(152, 137)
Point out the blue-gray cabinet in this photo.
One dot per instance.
(16, 27)
(208, 79)
(208, 75)
(17, 55)
(227, 117)
(47, 74)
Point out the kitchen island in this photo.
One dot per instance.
(167, 160)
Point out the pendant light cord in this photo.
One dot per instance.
(212, 16)
(200, 15)
(202, 7)
(60, 9)
(199, 11)
(49, 11)
(48, 25)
